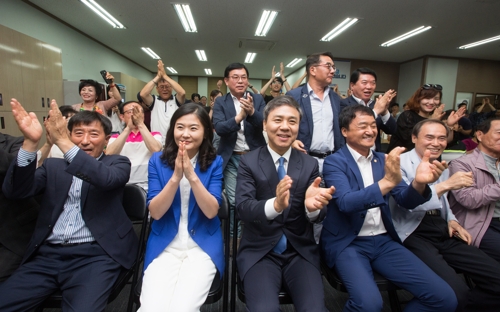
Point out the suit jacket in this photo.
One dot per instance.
(306, 129)
(351, 200)
(17, 217)
(101, 199)
(205, 232)
(227, 128)
(389, 127)
(256, 183)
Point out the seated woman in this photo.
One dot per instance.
(184, 249)
(90, 91)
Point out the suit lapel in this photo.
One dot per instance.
(268, 169)
(231, 111)
(306, 105)
(293, 171)
(377, 168)
(353, 165)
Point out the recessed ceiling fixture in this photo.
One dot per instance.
(172, 70)
(201, 55)
(150, 53)
(409, 34)
(250, 57)
(103, 13)
(348, 22)
(474, 44)
(266, 21)
(294, 62)
(208, 71)
(184, 12)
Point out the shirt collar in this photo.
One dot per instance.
(277, 156)
(310, 91)
(357, 156)
(360, 101)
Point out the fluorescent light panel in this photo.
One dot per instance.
(150, 53)
(184, 12)
(409, 34)
(208, 71)
(250, 57)
(172, 70)
(348, 22)
(294, 62)
(201, 55)
(94, 6)
(474, 44)
(266, 21)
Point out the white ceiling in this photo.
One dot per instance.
(224, 25)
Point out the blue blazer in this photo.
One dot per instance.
(306, 128)
(227, 128)
(389, 127)
(204, 231)
(347, 209)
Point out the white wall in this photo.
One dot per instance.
(81, 57)
(296, 75)
(444, 72)
(410, 76)
(203, 86)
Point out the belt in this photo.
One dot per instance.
(320, 155)
(240, 152)
(433, 212)
(68, 245)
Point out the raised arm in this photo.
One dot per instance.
(264, 88)
(282, 75)
(180, 92)
(299, 81)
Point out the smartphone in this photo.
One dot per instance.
(103, 74)
(245, 95)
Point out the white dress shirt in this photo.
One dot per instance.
(241, 142)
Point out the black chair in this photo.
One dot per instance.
(219, 288)
(382, 283)
(134, 203)
(236, 281)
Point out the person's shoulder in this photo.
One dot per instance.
(347, 101)
(295, 93)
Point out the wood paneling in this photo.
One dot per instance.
(478, 76)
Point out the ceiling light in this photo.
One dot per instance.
(184, 12)
(266, 21)
(151, 53)
(103, 13)
(409, 34)
(294, 62)
(470, 45)
(172, 70)
(201, 55)
(250, 57)
(208, 71)
(348, 22)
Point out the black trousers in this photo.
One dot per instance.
(9, 262)
(490, 243)
(431, 242)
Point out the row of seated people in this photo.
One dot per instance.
(186, 180)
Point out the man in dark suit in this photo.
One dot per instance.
(358, 234)
(237, 119)
(319, 132)
(17, 217)
(83, 237)
(278, 197)
(362, 84)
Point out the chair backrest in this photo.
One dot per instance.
(224, 208)
(134, 202)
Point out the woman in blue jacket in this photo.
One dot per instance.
(185, 248)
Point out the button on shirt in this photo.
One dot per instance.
(241, 142)
(373, 224)
(70, 227)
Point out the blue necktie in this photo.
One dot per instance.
(281, 245)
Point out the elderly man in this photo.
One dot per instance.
(83, 237)
(432, 232)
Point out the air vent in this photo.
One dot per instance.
(255, 45)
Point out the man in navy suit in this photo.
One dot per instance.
(319, 132)
(83, 237)
(278, 198)
(362, 84)
(358, 234)
(237, 119)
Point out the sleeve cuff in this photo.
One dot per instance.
(312, 216)
(71, 153)
(385, 117)
(269, 210)
(25, 158)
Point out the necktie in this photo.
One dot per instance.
(281, 245)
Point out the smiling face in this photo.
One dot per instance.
(189, 130)
(489, 142)
(282, 127)
(364, 87)
(90, 138)
(276, 85)
(431, 137)
(361, 133)
(237, 82)
(164, 90)
(88, 94)
(427, 106)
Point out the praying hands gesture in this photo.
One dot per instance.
(183, 165)
(28, 124)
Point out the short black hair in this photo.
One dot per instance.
(485, 126)
(90, 83)
(363, 70)
(420, 124)
(278, 79)
(121, 106)
(314, 59)
(195, 95)
(67, 110)
(234, 66)
(88, 117)
(348, 114)
(281, 101)
(394, 104)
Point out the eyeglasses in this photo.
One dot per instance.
(328, 65)
(164, 87)
(430, 86)
(237, 78)
(128, 112)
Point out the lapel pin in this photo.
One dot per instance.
(304, 95)
(374, 160)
